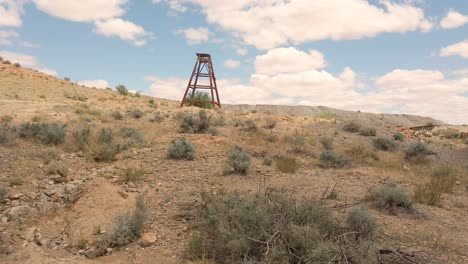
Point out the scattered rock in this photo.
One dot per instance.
(21, 211)
(147, 239)
(15, 196)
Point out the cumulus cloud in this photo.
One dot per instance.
(194, 35)
(242, 51)
(102, 84)
(123, 29)
(26, 60)
(6, 36)
(10, 12)
(287, 60)
(457, 49)
(231, 64)
(408, 91)
(82, 11)
(258, 22)
(174, 5)
(453, 20)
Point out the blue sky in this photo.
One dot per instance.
(402, 56)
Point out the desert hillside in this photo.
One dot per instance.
(94, 176)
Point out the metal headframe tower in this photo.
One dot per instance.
(203, 69)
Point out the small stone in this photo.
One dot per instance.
(16, 196)
(458, 182)
(109, 250)
(81, 251)
(147, 239)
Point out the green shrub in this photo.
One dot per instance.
(449, 133)
(128, 227)
(391, 196)
(82, 137)
(325, 115)
(298, 143)
(195, 247)
(249, 125)
(132, 175)
(57, 167)
(6, 62)
(361, 221)
(136, 113)
(7, 133)
(417, 151)
(385, 144)
(152, 103)
(241, 227)
(330, 159)
(158, 117)
(82, 244)
(191, 123)
(105, 149)
(122, 89)
(3, 193)
(200, 96)
(238, 161)
(359, 152)
(181, 149)
(6, 119)
(288, 164)
(327, 143)
(352, 126)
(117, 115)
(67, 79)
(17, 65)
(132, 136)
(45, 133)
(106, 136)
(399, 136)
(267, 160)
(368, 132)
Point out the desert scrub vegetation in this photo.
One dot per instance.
(298, 143)
(132, 175)
(157, 117)
(368, 132)
(327, 143)
(131, 136)
(200, 97)
(441, 181)
(44, 133)
(329, 159)
(238, 161)
(6, 119)
(75, 96)
(127, 227)
(122, 89)
(448, 133)
(117, 115)
(385, 144)
(57, 167)
(273, 227)
(135, 113)
(417, 152)
(398, 136)
(269, 122)
(360, 220)
(390, 197)
(360, 153)
(288, 164)
(325, 115)
(83, 109)
(193, 123)
(181, 149)
(249, 125)
(352, 126)
(7, 133)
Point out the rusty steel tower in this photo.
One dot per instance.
(203, 69)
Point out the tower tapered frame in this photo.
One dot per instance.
(203, 63)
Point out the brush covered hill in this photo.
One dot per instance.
(92, 176)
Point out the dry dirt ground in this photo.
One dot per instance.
(42, 221)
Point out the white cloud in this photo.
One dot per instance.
(82, 11)
(231, 64)
(195, 35)
(457, 49)
(123, 29)
(453, 20)
(27, 44)
(287, 60)
(174, 5)
(259, 24)
(406, 91)
(6, 36)
(242, 51)
(102, 84)
(461, 72)
(10, 12)
(27, 61)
